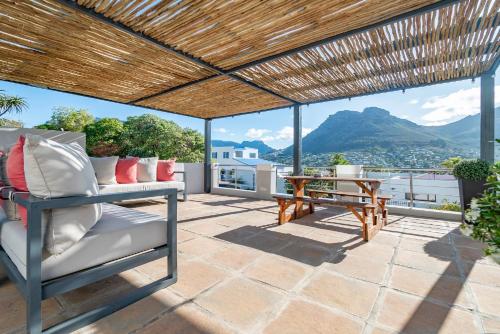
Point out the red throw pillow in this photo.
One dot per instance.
(15, 173)
(126, 170)
(165, 170)
(15, 166)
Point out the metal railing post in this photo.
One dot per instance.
(411, 189)
(235, 177)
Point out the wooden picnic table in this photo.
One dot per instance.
(368, 186)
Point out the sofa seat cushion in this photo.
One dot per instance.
(119, 233)
(122, 188)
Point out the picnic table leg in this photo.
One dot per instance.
(298, 191)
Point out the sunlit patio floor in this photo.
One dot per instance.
(239, 272)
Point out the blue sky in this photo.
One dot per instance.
(432, 105)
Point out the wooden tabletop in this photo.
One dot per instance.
(332, 178)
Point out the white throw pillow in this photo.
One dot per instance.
(57, 170)
(105, 169)
(146, 169)
(61, 170)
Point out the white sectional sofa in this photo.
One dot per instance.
(119, 233)
(179, 184)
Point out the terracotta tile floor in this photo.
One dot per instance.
(241, 273)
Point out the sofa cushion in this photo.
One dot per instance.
(15, 166)
(4, 181)
(57, 170)
(14, 169)
(105, 169)
(126, 170)
(165, 170)
(119, 233)
(61, 170)
(122, 188)
(146, 169)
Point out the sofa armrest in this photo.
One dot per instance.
(32, 202)
(35, 207)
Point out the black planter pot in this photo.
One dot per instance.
(468, 190)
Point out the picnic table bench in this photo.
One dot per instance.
(375, 209)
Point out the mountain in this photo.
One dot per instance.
(349, 130)
(258, 144)
(465, 132)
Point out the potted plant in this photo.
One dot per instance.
(484, 214)
(471, 176)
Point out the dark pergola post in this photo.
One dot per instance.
(208, 156)
(297, 140)
(488, 117)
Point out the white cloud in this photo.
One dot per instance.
(253, 133)
(267, 138)
(306, 131)
(287, 133)
(221, 130)
(414, 101)
(444, 109)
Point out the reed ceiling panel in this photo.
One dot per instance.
(231, 33)
(457, 41)
(220, 96)
(48, 44)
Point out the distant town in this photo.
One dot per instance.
(400, 157)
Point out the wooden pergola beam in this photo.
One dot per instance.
(168, 48)
(232, 72)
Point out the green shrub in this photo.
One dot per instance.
(471, 170)
(449, 206)
(485, 213)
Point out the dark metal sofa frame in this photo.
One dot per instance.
(34, 290)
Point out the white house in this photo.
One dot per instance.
(237, 165)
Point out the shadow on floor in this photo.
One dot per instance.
(425, 308)
(301, 249)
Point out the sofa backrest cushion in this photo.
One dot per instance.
(105, 169)
(14, 170)
(165, 170)
(126, 170)
(146, 169)
(57, 170)
(15, 166)
(61, 170)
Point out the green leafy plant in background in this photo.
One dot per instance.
(149, 135)
(484, 214)
(338, 159)
(10, 123)
(449, 206)
(472, 170)
(11, 104)
(451, 162)
(68, 119)
(104, 137)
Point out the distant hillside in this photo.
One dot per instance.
(258, 144)
(375, 127)
(465, 132)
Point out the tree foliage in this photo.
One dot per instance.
(104, 137)
(149, 135)
(451, 162)
(338, 159)
(142, 136)
(10, 123)
(9, 104)
(68, 119)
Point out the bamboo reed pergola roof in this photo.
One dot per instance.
(219, 58)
